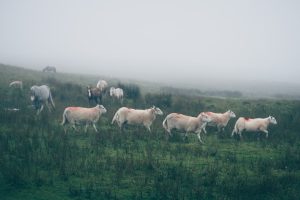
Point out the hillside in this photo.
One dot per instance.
(39, 161)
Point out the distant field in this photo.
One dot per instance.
(38, 161)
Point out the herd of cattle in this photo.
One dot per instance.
(79, 116)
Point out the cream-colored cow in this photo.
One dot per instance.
(253, 125)
(82, 116)
(102, 85)
(134, 116)
(186, 123)
(219, 120)
(117, 93)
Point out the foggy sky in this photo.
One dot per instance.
(155, 40)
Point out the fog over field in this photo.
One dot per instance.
(219, 45)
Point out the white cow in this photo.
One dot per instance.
(117, 93)
(102, 85)
(83, 116)
(253, 125)
(41, 95)
(133, 116)
(18, 84)
(186, 123)
(219, 120)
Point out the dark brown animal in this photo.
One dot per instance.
(94, 94)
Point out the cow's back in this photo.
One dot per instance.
(42, 93)
(81, 115)
(136, 116)
(179, 121)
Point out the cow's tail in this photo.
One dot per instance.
(64, 121)
(116, 117)
(165, 123)
(235, 130)
(51, 100)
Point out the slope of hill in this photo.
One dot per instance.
(39, 161)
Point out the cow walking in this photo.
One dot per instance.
(77, 116)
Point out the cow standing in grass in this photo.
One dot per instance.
(94, 94)
(102, 85)
(253, 125)
(219, 120)
(18, 84)
(77, 116)
(134, 116)
(117, 93)
(186, 123)
(41, 95)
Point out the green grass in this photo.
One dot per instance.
(38, 161)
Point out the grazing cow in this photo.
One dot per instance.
(41, 95)
(219, 120)
(18, 84)
(186, 123)
(133, 116)
(94, 94)
(77, 116)
(253, 125)
(117, 93)
(102, 85)
(49, 69)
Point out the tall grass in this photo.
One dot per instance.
(37, 160)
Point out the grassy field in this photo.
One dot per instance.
(38, 161)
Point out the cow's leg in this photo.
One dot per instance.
(40, 110)
(86, 127)
(73, 124)
(219, 129)
(47, 104)
(223, 129)
(74, 127)
(148, 127)
(94, 125)
(199, 137)
(240, 134)
(186, 136)
(169, 131)
(121, 125)
(204, 129)
(233, 132)
(267, 133)
(65, 128)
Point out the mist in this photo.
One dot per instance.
(203, 44)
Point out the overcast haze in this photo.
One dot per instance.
(155, 40)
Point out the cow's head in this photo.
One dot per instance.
(32, 93)
(231, 114)
(101, 108)
(272, 120)
(157, 111)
